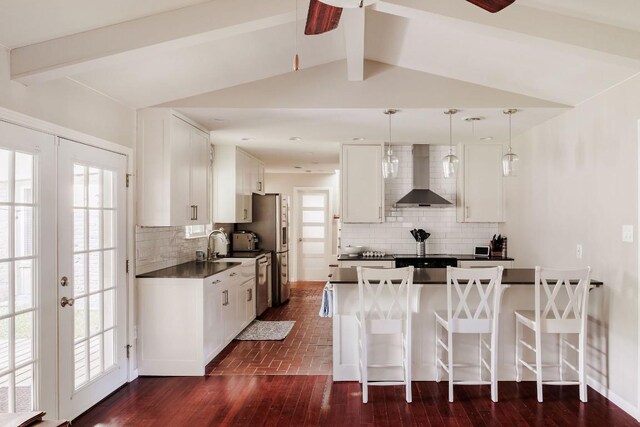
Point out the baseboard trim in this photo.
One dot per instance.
(623, 404)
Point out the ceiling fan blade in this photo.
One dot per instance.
(492, 6)
(322, 18)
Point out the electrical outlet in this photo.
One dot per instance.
(627, 233)
(579, 251)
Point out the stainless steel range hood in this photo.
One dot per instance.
(421, 196)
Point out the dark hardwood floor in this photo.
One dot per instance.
(253, 396)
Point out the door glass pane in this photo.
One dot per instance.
(312, 200)
(4, 345)
(24, 338)
(5, 168)
(79, 194)
(81, 363)
(95, 314)
(313, 216)
(23, 231)
(313, 248)
(94, 228)
(95, 356)
(24, 284)
(108, 229)
(80, 318)
(79, 274)
(109, 269)
(94, 271)
(313, 232)
(24, 389)
(109, 349)
(107, 189)
(95, 195)
(5, 391)
(79, 232)
(109, 308)
(24, 178)
(4, 288)
(4, 232)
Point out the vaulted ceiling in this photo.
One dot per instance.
(228, 63)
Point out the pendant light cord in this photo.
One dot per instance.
(510, 115)
(389, 149)
(450, 132)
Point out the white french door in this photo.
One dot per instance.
(91, 275)
(27, 262)
(314, 233)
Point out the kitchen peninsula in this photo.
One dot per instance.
(430, 294)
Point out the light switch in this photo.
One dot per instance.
(627, 233)
(579, 251)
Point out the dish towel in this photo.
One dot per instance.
(326, 309)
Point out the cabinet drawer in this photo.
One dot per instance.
(230, 277)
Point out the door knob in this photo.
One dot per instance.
(66, 302)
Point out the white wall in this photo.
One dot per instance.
(68, 104)
(286, 182)
(578, 183)
(393, 236)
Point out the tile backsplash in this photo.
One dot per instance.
(393, 236)
(160, 247)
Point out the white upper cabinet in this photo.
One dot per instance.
(236, 176)
(172, 169)
(480, 191)
(361, 184)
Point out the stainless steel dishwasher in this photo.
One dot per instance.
(263, 282)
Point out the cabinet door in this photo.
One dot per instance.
(482, 193)
(199, 176)
(230, 314)
(362, 184)
(213, 339)
(251, 301)
(260, 178)
(181, 211)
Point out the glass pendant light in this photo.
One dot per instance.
(390, 162)
(450, 161)
(509, 160)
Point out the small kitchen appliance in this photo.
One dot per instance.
(244, 241)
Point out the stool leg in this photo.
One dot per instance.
(437, 352)
(581, 366)
(450, 363)
(561, 354)
(518, 351)
(539, 362)
(494, 366)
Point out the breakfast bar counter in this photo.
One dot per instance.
(430, 294)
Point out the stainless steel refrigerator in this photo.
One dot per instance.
(271, 225)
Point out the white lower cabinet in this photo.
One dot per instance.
(486, 264)
(185, 323)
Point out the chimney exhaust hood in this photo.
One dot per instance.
(421, 196)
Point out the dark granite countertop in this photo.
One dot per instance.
(245, 254)
(438, 276)
(391, 257)
(190, 270)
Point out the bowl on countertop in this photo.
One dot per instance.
(352, 250)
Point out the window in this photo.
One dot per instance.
(197, 231)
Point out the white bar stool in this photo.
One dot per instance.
(480, 318)
(385, 309)
(557, 317)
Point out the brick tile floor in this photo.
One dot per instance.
(307, 350)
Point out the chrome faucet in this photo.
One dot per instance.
(211, 254)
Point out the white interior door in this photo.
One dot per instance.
(314, 233)
(27, 270)
(91, 256)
